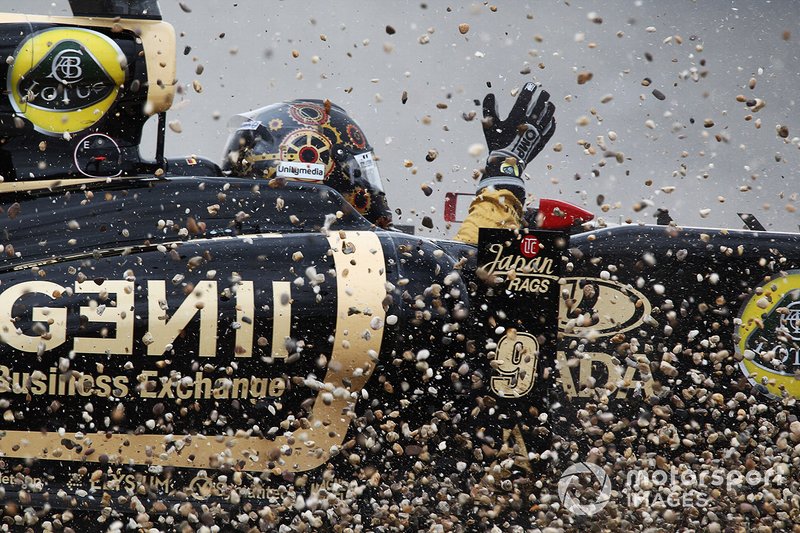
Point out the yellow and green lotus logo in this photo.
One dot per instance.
(65, 79)
(768, 337)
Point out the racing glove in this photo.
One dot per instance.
(515, 141)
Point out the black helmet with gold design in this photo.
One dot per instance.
(312, 141)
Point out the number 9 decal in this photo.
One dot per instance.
(515, 362)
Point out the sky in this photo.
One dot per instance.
(645, 92)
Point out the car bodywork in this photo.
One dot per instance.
(171, 335)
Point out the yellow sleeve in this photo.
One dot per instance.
(492, 208)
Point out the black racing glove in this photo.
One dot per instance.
(515, 141)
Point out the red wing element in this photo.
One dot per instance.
(453, 212)
(555, 214)
(450, 201)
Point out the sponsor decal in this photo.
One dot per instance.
(118, 479)
(308, 114)
(529, 246)
(601, 375)
(594, 307)
(18, 479)
(202, 301)
(533, 273)
(204, 486)
(503, 263)
(525, 144)
(300, 171)
(250, 125)
(146, 385)
(528, 336)
(134, 368)
(790, 321)
(768, 335)
(509, 169)
(517, 301)
(516, 359)
(65, 79)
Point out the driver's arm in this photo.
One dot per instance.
(491, 208)
(513, 143)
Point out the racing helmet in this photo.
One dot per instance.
(309, 141)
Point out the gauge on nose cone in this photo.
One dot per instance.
(98, 156)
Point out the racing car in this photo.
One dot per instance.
(180, 344)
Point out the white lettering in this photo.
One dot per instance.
(503, 264)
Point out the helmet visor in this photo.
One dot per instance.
(365, 166)
(243, 121)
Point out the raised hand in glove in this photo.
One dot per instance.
(515, 141)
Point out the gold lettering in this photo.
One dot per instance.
(222, 389)
(5, 374)
(160, 484)
(145, 389)
(103, 384)
(566, 375)
(56, 318)
(203, 387)
(586, 380)
(258, 388)
(85, 385)
(38, 383)
(518, 447)
(529, 284)
(588, 376)
(516, 360)
(281, 317)
(121, 316)
(166, 390)
(121, 385)
(629, 383)
(165, 330)
(276, 387)
(183, 392)
(52, 380)
(245, 316)
(241, 387)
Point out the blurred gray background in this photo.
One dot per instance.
(697, 152)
